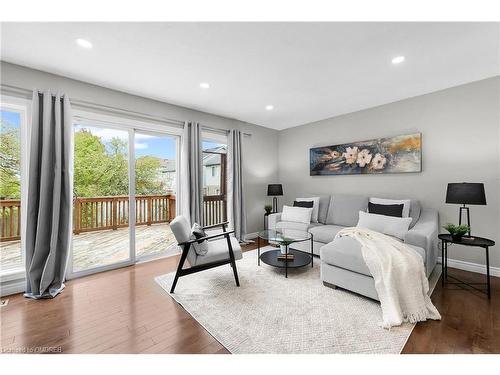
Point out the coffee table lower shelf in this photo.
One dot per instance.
(300, 259)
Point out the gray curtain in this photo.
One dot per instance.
(235, 185)
(49, 207)
(192, 173)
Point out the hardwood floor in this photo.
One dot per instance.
(125, 311)
(470, 322)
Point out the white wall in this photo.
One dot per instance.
(260, 149)
(460, 136)
(460, 142)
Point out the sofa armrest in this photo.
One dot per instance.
(425, 235)
(273, 219)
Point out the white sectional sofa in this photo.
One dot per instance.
(342, 263)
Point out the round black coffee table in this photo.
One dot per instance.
(285, 238)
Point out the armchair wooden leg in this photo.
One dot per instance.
(179, 267)
(235, 272)
(174, 283)
(231, 256)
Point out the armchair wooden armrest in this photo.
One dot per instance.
(207, 237)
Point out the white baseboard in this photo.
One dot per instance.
(14, 287)
(471, 267)
(251, 236)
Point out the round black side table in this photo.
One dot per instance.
(484, 243)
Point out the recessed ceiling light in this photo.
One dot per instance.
(398, 59)
(84, 43)
(204, 85)
(269, 107)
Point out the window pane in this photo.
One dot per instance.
(10, 190)
(212, 167)
(101, 201)
(214, 182)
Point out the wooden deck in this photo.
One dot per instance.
(94, 249)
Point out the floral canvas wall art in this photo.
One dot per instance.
(400, 154)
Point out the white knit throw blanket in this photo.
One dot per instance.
(399, 274)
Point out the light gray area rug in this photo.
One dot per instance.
(271, 314)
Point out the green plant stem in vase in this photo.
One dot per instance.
(268, 208)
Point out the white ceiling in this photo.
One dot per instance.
(308, 71)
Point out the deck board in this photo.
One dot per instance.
(100, 248)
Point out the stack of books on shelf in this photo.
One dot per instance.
(285, 257)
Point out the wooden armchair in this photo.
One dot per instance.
(222, 251)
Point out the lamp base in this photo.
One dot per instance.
(275, 204)
(468, 217)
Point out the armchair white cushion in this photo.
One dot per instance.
(217, 250)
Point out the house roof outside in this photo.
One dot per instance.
(210, 159)
(167, 165)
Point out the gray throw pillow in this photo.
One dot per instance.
(200, 247)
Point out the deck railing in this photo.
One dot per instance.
(10, 220)
(101, 213)
(214, 209)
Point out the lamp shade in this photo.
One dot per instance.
(466, 193)
(274, 189)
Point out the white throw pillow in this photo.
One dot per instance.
(390, 225)
(315, 211)
(296, 214)
(404, 202)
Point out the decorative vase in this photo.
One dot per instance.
(457, 237)
(283, 249)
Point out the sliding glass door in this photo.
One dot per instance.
(125, 185)
(101, 210)
(155, 193)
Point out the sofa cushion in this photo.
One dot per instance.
(296, 214)
(344, 209)
(345, 252)
(414, 211)
(315, 206)
(324, 233)
(293, 225)
(405, 202)
(390, 225)
(324, 203)
(395, 210)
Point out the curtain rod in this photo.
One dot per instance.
(83, 104)
(25, 93)
(222, 131)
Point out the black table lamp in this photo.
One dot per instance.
(274, 190)
(465, 193)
